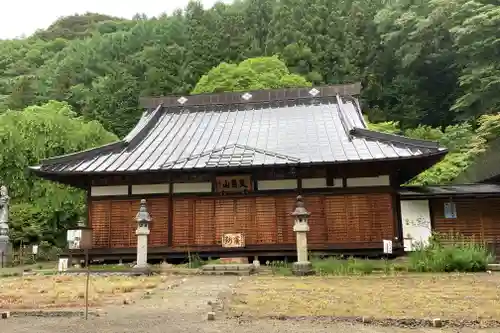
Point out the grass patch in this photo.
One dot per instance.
(451, 253)
(36, 292)
(339, 266)
(443, 253)
(450, 296)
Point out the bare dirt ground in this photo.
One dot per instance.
(183, 308)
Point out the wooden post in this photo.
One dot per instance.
(87, 284)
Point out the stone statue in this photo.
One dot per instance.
(5, 246)
(4, 210)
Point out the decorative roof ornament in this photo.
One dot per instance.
(246, 96)
(182, 100)
(313, 92)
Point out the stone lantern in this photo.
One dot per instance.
(143, 219)
(301, 227)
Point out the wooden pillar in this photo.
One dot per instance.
(170, 213)
(298, 173)
(396, 208)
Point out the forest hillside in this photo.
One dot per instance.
(429, 69)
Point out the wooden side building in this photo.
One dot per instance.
(469, 210)
(233, 163)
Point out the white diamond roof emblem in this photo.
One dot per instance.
(313, 92)
(182, 100)
(246, 96)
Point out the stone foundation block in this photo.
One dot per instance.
(302, 268)
(437, 323)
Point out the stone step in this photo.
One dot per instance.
(228, 269)
(494, 267)
(239, 273)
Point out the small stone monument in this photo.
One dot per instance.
(5, 245)
(301, 227)
(143, 219)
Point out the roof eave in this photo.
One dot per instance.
(141, 129)
(436, 155)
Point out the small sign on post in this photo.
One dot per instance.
(78, 238)
(387, 246)
(34, 249)
(62, 265)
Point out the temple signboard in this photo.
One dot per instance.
(233, 184)
(233, 240)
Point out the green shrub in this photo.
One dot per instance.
(48, 252)
(450, 253)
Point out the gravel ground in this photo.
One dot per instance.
(184, 309)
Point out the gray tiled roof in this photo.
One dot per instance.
(324, 129)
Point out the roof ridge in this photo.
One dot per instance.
(233, 145)
(269, 152)
(135, 136)
(356, 131)
(88, 153)
(346, 123)
(146, 122)
(252, 96)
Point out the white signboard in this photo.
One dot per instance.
(34, 250)
(387, 246)
(73, 237)
(416, 218)
(62, 266)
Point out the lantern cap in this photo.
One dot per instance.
(299, 208)
(143, 215)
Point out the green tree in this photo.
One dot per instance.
(42, 209)
(478, 46)
(251, 74)
(81, 26)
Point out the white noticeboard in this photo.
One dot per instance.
(387, 246)
(34, 249)
(450, 210)
(62, 265)
(73, 238)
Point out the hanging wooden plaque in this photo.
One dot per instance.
(233, 240)
(233, 183)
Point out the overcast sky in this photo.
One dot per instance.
(24, 17)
